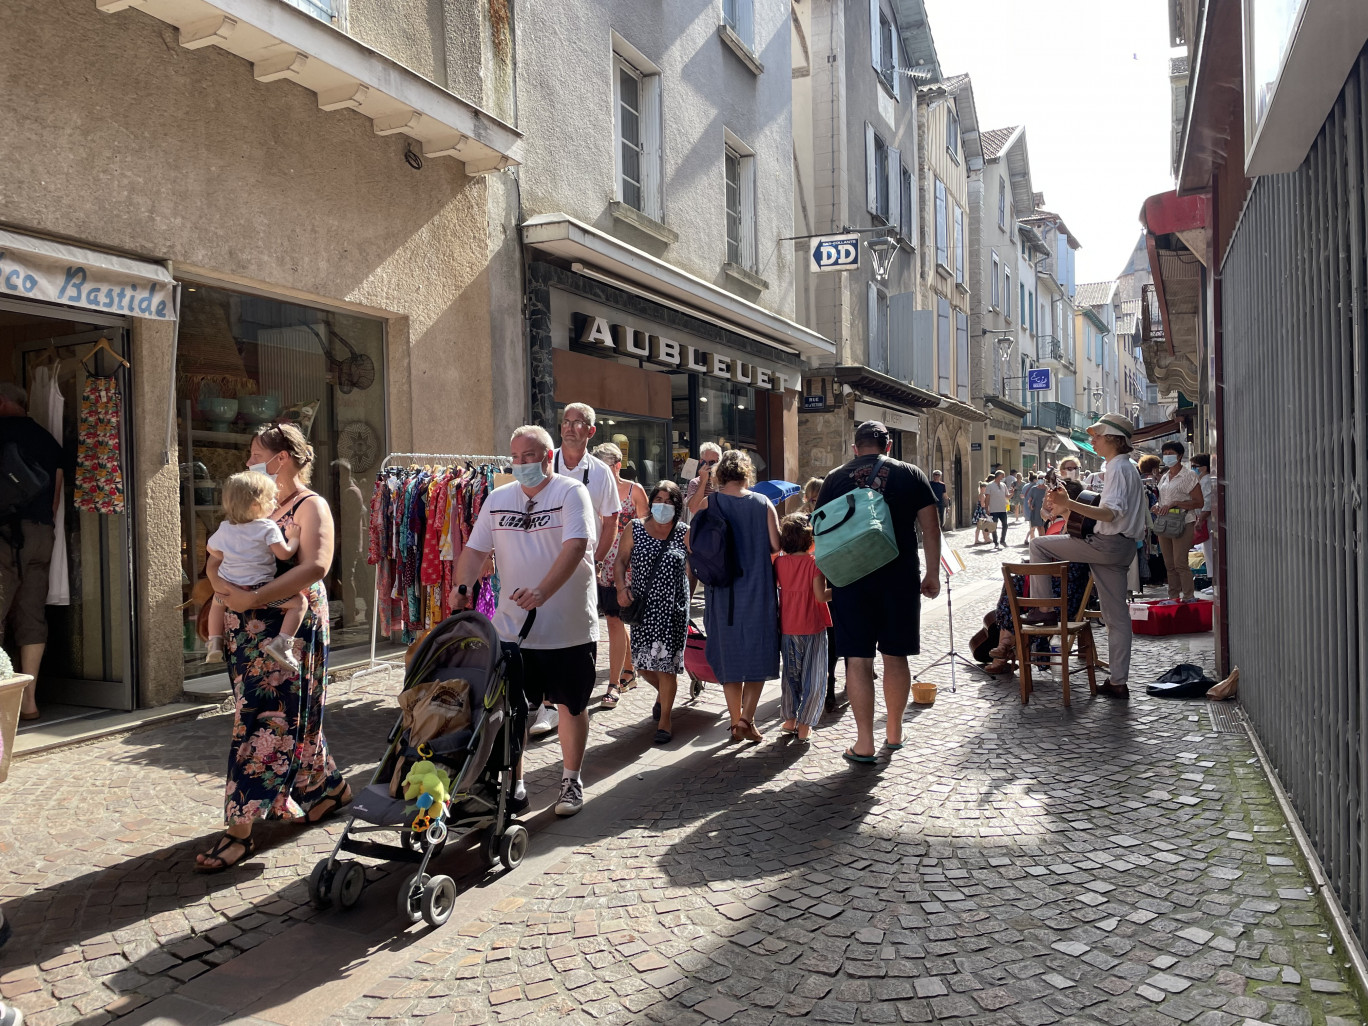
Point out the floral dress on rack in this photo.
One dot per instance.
(278, 761)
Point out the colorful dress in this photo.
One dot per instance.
(626, 515)
(658, 640)
(278, 761)
(99, 469)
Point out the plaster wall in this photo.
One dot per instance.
(143, 147)
(566, 109)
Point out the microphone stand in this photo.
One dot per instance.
(952, 656)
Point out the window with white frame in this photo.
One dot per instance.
(962, 356)
(1002, 203)
(1022, 305)
(1031, 306)
(906, 208)
(952, 133)
(942, 226)
(883, 48)
(1007, 293)
(996, 279)
(959, 245)
(638, 117)
(738, 164)
(943, 344)
(882, 188)
(331, 11)
(739, 16)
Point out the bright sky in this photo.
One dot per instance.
(1089, 80)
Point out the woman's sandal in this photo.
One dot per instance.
(748, 731)
(850, 755)
(610, 699)
(340, 800)
(663, 737)
(217, 852)
(627, 680)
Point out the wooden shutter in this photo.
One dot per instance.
(874, 41)
(871, 172)
(894, 187)
(652, 198)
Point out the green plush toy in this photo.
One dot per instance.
(427, 785)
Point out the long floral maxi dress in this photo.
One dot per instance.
(278, 761)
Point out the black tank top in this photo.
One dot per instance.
(282, 565)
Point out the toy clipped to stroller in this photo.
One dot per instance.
(448, 770)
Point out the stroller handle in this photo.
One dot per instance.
(527, 624)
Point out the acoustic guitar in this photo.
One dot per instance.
(1078, 525)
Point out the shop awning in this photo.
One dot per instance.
(1171, 307)
(1067, 443)
(1164, 427)
(284, 43)
(1087, 447)
(55, 272)
(877, 385)
(569, 239)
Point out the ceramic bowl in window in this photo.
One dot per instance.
(219, 412)
(258, 409)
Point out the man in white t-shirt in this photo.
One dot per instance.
(540, 528)
(999, 497)
(574, 460)
(1111, 549)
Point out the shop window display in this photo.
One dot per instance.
(246, 360)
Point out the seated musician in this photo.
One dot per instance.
(1110, 548)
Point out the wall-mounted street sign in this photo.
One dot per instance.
(1038, 379)
(836, 253)
(814, 402)
(976, 447)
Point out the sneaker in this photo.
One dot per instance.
(546, 720)
(571, 797)
(214, 655)
(10, 1016)
(282, 653)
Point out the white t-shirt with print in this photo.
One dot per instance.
(594, 474)
(525, 545)
(247, 556)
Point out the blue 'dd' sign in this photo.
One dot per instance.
(1038, 379)
(836, 253)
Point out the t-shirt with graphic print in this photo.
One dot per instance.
(526, 535)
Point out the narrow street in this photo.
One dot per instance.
(1113, 863)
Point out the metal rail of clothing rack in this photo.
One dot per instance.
(395, 461)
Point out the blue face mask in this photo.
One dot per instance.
(662, 512)
(1170, 459)
(529, 475)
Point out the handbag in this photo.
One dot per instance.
(633, 613)
(1171, 524)
(1202, 532)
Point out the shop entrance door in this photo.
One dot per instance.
(88, 662)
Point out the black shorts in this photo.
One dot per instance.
(880, 611)
(562, 676)
(607, 601)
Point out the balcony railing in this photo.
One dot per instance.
(1151, 316)
(1054, 350)
(1051, 417)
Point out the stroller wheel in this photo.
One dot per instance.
(411, 897)
(513, 846)
(348, 882)
(414, 842)
(321, 884)
(490, 842)
(695, 686)
(439, 898)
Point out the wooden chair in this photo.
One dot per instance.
(1093, 616)
(1065, 630)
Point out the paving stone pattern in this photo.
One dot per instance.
(1113, 863)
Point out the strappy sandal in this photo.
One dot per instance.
(226, 841)
(748, 731)
(627, 680)
(340, 800)
(611, 697)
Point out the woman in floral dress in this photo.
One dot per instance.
(278, 761)
(621, 670)
(658, 637)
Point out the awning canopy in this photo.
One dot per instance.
(1164, 427)
(1171, 310)
(572, 240)
(283, 43)
(55, 272)
(1067, 443)
(1087, 447)
(883, 388)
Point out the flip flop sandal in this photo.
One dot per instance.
(850, 755)
(789, 730)
(340, 801)
(663, 737)
(893, 747)
(226, 841)
(610, 700)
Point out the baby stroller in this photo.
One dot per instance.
(696, 660)
(479, 760)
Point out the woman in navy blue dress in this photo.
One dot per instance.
(742, 619)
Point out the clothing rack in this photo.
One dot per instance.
(394, 461)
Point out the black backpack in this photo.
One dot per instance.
(712, 552)
(22, 480)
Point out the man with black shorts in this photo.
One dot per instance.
(540, 529)
(883, 610)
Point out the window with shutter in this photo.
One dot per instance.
(959, 245)
(962, 356)
(996, 283)
(908, 208)
(942, 228)
(324, 10)
(739, 17)
(1007, 294)
(943, 344)
(731, 164)
(952, 140)
(1002, 203)
(638, 139)
(871, 171)
(894, 187)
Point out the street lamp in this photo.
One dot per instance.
(1097, 394)
(1135, 412)
(1004, 344)
(881, 249)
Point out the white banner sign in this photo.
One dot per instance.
(56, 273)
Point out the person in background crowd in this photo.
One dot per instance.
(540, 528)
(573, 459)
(938, 490)
(984, 526)
(621, 673)
(999, 497)
(811, 490)
(659, 636)
(27, 539)
(1034, 500)
(742, 618)
(1120, 517)
(1013, 482)
(702, 483)
(804, 620)
(1201, 463)
(1179, 489)
(1069, 469)
(1151, 556)
(882, 610)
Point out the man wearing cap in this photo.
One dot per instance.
(1120, 516)
(883, 609)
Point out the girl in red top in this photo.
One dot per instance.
(804, 619)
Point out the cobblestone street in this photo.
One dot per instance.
(1110, 863)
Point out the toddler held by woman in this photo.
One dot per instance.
(244, 551)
